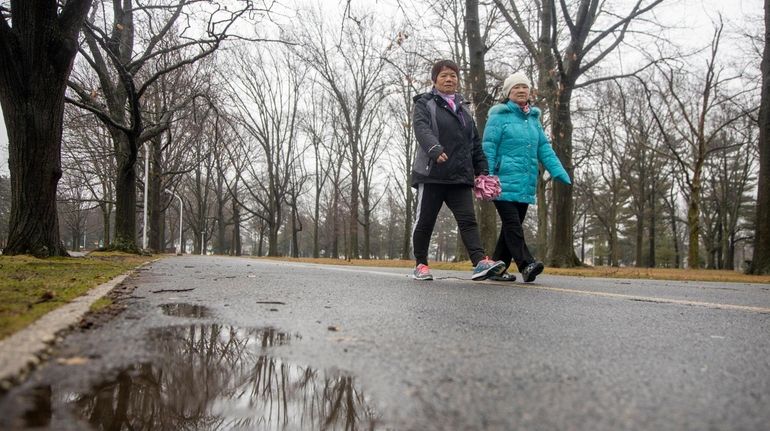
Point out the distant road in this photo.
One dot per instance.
(258, 344)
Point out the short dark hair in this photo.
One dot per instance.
(441, 65)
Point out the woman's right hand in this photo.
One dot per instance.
(442, 158)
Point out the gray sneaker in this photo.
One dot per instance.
(506, 276)
(531, 271)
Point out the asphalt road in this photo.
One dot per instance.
(237, 343)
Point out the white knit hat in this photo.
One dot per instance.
(516, 78)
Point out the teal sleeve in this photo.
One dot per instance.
(491, 142)
(550, 161)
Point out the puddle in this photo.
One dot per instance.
(185, 310)
(215, 377)
(40, 413)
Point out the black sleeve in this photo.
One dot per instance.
(423, 131)
(480, 164)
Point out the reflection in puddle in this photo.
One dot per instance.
(213, 377)
(40, 413)
(185, 310)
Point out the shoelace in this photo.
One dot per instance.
(487, 187)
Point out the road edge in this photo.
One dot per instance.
(23, 351)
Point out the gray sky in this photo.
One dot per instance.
(694, 18)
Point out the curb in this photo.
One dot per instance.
(23, 351)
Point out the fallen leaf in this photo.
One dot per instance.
(76, 360)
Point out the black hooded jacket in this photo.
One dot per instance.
(440, 130)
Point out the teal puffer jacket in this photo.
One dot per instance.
(514, 143)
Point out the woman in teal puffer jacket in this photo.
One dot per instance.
(514, 143)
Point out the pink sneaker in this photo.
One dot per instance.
(422, 272)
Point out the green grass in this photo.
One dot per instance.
(101, 304)
(31, 287)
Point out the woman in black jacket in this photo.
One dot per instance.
(447, 159)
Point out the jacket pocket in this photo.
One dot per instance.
(423, 164)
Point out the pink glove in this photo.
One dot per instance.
(487, 187)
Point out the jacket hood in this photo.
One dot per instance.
(510, 107)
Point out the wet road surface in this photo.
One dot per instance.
(215, 343)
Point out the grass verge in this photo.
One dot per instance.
(31, 287)
(588, 271)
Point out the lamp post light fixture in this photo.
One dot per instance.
(181, 218)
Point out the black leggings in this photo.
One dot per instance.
(459, 199)
(511, 244)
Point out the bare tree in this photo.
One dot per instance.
(405, 67)
(297, 185)
(130, 48)
(266, 96)
(316, 126)
(608, 192)
(697, 108)
(372, 148)
(74, 208)
(87, 154)
(729, 179)
(171, 153)
(351, 79)
(560, 67)
(38, 43)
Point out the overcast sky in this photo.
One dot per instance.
(693, 17)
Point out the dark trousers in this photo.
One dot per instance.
(511, 244)
(459, 199)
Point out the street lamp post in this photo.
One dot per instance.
(181, 218)
(146, 187)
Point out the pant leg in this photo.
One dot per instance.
(459, 199)
(513, 232)
(522, 208)
(501, 250)
(430, 197)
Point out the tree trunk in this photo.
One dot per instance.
(406, 244)
(367, 253)
(542, 217)
(335, 231)
(155, 213)
(272, 238)
(237, 245)
(125, 193)
(36, 58)
(106, 208)
(652, 241)
(730, 258)
(221, 244)
(294, 232)
(562, 253)
(482, 101)
(693, 226)
(353, 225)
(316, 223)
(760, 263)
(261, 238)
(35, 167)
(675, 235)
